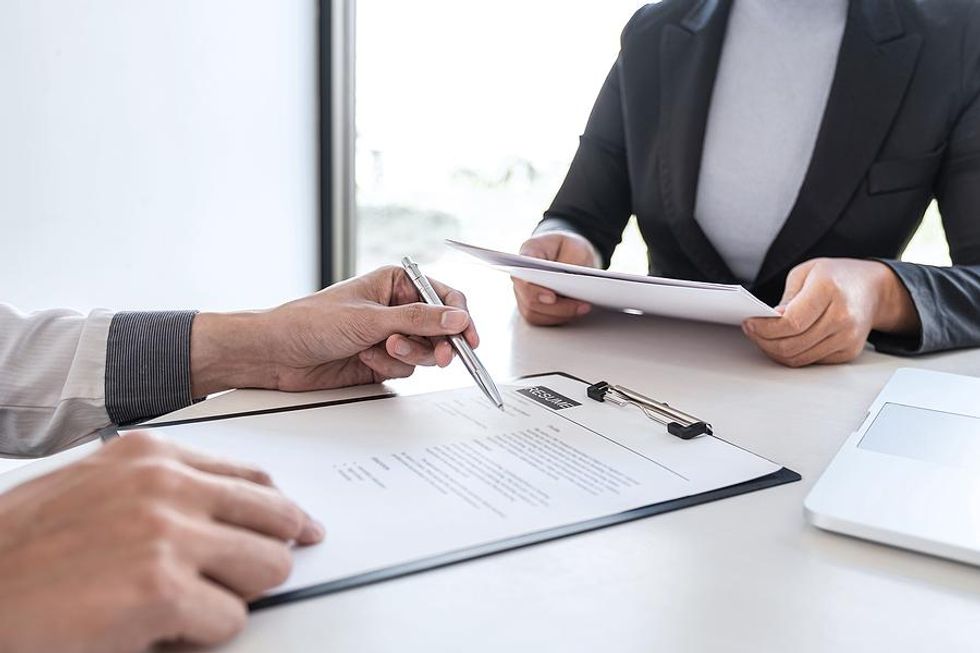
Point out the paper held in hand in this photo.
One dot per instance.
(678, 298)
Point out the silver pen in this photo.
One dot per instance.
(466, 354)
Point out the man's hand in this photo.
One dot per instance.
(544, 307)
(363, 330)
(828, 309)
(139, 543)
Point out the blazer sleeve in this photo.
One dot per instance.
(594, 199)
(948, 298)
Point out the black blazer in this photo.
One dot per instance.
(901, 126)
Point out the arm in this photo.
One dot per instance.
(594, 200)
(831, 307)
(66, 376)
(586, 220)
(948, 298)
(144, 542)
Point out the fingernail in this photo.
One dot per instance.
(547, 298)
(317, 531)
(455, 320)
(583, 309)
(313, 532)
(402, 348)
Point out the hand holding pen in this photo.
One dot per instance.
(476, 369)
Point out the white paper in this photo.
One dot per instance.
(402, 479)
(691, 300)
(505, 260)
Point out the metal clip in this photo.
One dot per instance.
(678, 423)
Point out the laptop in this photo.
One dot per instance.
(910, 475)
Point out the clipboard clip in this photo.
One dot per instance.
(678, 423)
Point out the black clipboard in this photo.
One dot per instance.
(779, 477)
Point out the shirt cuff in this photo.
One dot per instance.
(148, 364)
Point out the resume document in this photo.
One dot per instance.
(401, 479)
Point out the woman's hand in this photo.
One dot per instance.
(828, 309)
(544, 307)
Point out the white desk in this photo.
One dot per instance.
(742, 574)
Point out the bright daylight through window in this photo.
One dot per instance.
(467, 119)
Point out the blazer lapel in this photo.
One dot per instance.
(874, 67)
(689, 54)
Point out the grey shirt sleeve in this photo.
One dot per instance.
(148, 364)
(65, 376)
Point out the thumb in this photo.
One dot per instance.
(422, 320)
(543, 247)
(794, 283)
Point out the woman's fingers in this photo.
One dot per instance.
(544, 307)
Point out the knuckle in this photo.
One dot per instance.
(141, 443)
(279, 564)
(794, 322)
(837, 318)
(156, 522)
(159, 578)
(363, 326)
(158, 478)
(782, 349)
(293, 520)
(825, 285)
(235, 620)
(852, 335)
(259, 476)
(415, 314)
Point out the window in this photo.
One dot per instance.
(468, 114)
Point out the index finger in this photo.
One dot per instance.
(220, 467)
(452, 297)
(257, 508)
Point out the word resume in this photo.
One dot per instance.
(401, 479)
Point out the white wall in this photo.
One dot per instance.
(157, 153)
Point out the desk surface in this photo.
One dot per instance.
(743, 574)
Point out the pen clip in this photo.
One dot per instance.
(411, 267)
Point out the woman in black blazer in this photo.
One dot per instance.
(901, 126)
